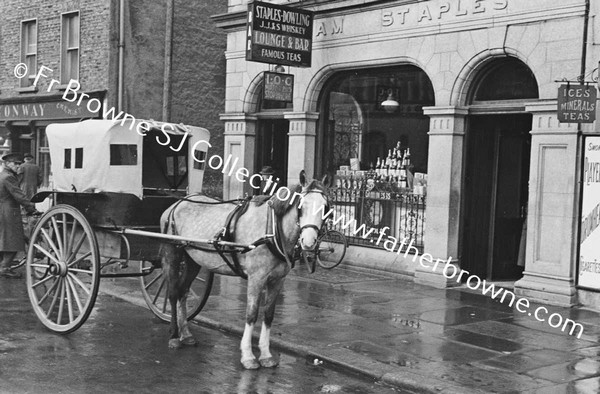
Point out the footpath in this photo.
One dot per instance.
(414, 337)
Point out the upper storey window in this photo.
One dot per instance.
(69, 64)
(29, 50)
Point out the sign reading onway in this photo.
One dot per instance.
(278, 34)
(576, 104)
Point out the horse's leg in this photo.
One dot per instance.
(191, 271)
(273, 289)
(171, 261)
(255, 286)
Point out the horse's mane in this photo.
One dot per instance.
(281, 207)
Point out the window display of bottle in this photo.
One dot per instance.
(378, 167)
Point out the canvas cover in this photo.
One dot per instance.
(96, 173)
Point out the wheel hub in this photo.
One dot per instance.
(59, 268)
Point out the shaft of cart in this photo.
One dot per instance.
(171, 237)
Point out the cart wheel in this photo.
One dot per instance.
(63, 269)
(331, 249)
(154, 289)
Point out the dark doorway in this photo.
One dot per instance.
(272, 147)
(496, 192)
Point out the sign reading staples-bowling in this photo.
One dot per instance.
(278, 34)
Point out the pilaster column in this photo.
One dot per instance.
(444, 187)
(551, 249)
(240, 134)
(301, 151)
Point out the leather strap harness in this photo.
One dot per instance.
(273, 237)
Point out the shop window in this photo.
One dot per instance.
(123, 155)
(67, 158)
(29, 50)
(357, 131)
(69, 65)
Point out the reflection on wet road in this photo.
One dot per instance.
(122, 348)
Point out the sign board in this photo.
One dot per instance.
(576, 104)
(62, 109)
(279, 34)
(278, 87)
(589, 235)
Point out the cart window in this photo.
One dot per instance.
(199, 159)
(78, 157)
(67, 158)
(123, 155)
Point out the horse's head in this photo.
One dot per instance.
(314, 206)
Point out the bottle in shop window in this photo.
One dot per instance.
(378, 166)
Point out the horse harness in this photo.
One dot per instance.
(272, 237)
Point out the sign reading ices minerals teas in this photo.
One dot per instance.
(576, 104)
(589, 235)
(278, 87)
(278, 34)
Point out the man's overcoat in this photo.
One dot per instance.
(11, 225)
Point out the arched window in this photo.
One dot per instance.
(356, 129)
(505, 79)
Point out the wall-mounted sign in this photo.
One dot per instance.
(589, 235)
(576, 104)
(62, 109)
(278, 34)
(278, 87)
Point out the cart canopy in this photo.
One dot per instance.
(126, 156)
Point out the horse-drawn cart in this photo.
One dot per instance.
(112, 181)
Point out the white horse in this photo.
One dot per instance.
(298, 218)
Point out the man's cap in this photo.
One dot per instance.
(13, 157)
(28, 156)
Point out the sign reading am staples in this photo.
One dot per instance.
(576, 104)
(589, 236)
(278, 34)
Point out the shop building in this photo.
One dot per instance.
(475, 83)
(163, 62)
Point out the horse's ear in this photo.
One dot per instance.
(326, 181)
(303, 178)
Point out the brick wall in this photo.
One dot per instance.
(94, 41)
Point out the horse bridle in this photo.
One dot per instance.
(310, 225)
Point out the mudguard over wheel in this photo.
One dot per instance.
(63, 269)
(154, 289)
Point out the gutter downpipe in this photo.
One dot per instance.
(166, 102)
(121, 55)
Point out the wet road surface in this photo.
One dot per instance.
(122, 348)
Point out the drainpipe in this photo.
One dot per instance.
(584, 44)
(121, 47)
(166, 106)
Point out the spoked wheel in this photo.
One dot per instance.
(331, 249)
(154, 289)
(63, 269)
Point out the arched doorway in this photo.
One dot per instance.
(497, 161)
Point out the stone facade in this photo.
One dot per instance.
(452, 42)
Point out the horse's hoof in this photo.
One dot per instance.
(270, 362)
(250, 364)
(174, 343)
(189, 341)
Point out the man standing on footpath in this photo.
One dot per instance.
(30, 176)
(11, 226)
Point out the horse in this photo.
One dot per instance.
(299, 217)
